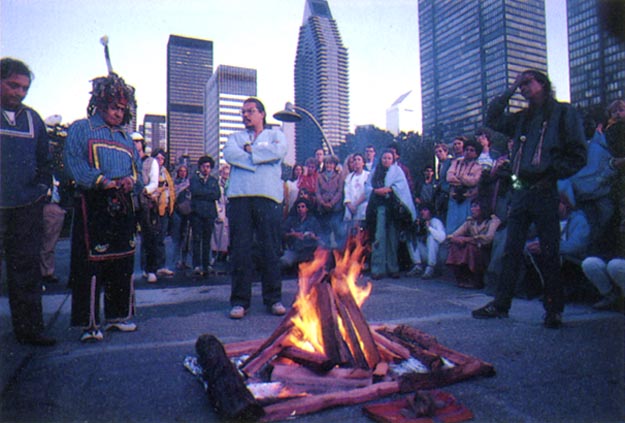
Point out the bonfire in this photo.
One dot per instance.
(324, 353)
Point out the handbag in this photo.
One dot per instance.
(183, 203)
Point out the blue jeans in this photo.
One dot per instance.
(255, 226)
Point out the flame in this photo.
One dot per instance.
(307, 332)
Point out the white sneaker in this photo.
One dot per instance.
(237, 312)
(91, 335)
(429, 273)
(152, 278)
(126, 326)
(164, 272)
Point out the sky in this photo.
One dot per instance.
(60, 41)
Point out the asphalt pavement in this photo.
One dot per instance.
(574, 374)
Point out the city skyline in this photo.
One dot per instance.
(62, 48)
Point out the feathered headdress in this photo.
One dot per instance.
(110, 89)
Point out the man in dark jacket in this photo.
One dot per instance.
(204, 192)
(24, 179)
(549, 144)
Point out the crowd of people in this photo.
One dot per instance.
(494, 218)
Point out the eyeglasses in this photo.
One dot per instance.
(248, 111)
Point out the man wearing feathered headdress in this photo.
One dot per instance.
(103, 160)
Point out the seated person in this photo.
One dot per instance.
(469, 248)
(427, 237)
(300, 235)
(609, 279)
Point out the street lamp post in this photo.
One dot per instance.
(289, 114)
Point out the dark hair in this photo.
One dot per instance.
(295, 166)
(542, 80)
(106, 90)
(472, 142)
(259, 106)
(394, 146)
(486, 132)
(10, 66)
(426, 206)
(379, 172)
(359, 155)
(161, 152)
(302, 200)
(206, 159)
(426, 167)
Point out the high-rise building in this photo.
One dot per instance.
(403, 115)
(189, 66)
(155, 131)
(471, 50)
(596, 57)
(321, 80)
(226, 90)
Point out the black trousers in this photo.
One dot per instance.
(89, 278)
(20, 243)
(255, 229)
(538, 206)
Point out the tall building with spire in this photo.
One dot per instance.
(226, 91)
(189, 66)
(596, 56)
(321, 80)
(471, 50)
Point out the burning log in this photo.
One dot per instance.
(336, 379)
(335, 347)
(311, 404)
(396, 349)
(314, 361)
(358, 325)
(226, 390)
(251, 367)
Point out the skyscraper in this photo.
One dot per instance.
(189, 66)
(225, 92)
(403, 115)
(155, 131)
(321, 80)
(596, 57)
(471, 50)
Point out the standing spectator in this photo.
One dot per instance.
(441, 197)
(549, 144)
(181, 233)
(369, 157)
(319, 156)
(300, 233)
(255, 195)
(220, 241)
(24, 179)
(54, 210)
(463, 177)
(104, 162)
(487, 157)
(165, 198)
(428, 234)
(308, 182)
(469, 248)
(615, 137)
(148, 213)
(330, 203)
(355, 198)
(457, 146)
(204, 193)
(425, 191)
(396, 152)
(291, 188)
(388, 192)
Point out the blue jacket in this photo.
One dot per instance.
(25, 173)
(95, 154)
(259, 173)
